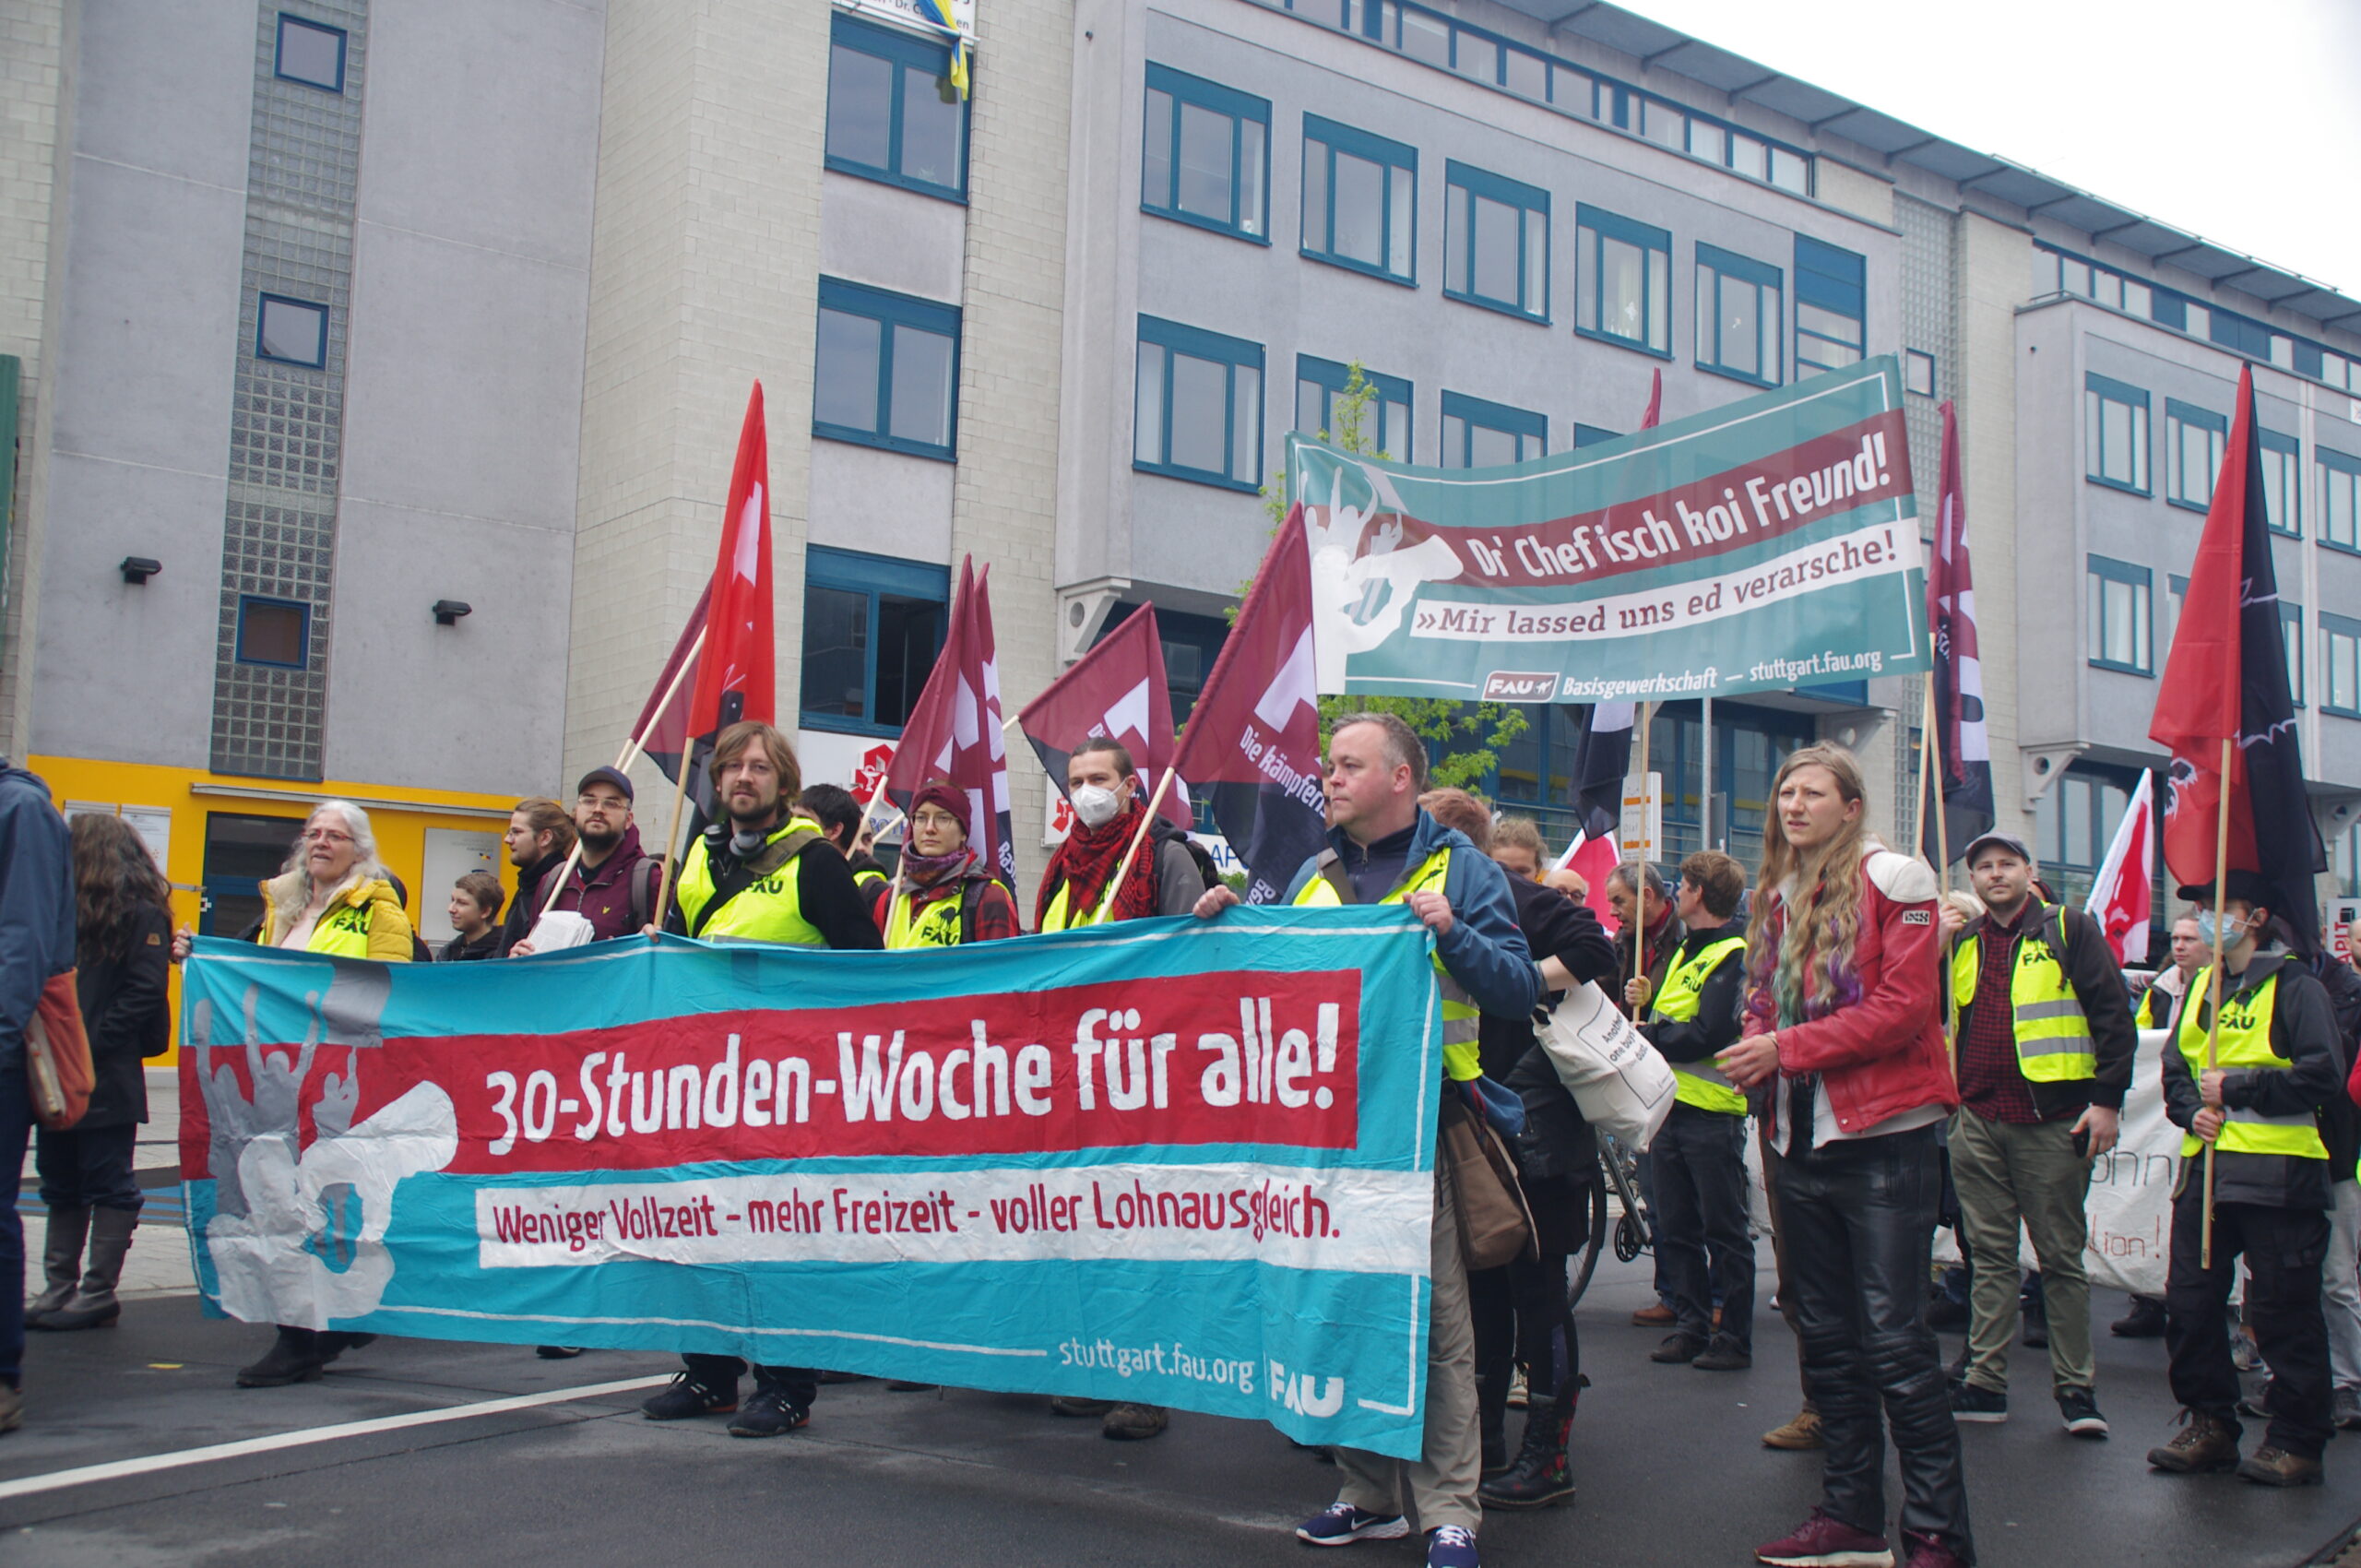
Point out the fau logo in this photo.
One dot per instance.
(1519, 686)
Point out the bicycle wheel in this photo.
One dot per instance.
(1589, 1254)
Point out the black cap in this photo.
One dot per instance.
(2008, 841)
(614, 776)
(2247, 887)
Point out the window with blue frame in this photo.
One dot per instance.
(1384, 419)
(1623, 282)
(275, 633)
(1832, 306)
(2115, 434)
(1496, 241)
(2340, 665)
(886, 373)
(2339, 498)
(1205, 155)
(871, 628)
(290, 331)
(2291, 634)
(2120, 633)
(310, 52)
(892, 113)
(1740, 309)
(2194, 439)
(1361, 200)
(1591, 434)
(1197, 410)
(2282, 506)
(1478, 434)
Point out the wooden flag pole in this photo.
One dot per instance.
(2213, 1024)
(631, 755)
(1638, 877)
(1931, 795)
(1147, 824)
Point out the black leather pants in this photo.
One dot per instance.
(1860, 1218)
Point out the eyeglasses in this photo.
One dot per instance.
(325, 836)
(934, 819)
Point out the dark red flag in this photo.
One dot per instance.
(663, 727)
(734, 677)
(954, 733)
(1649, 419)
(1252, 743)
(2227, 677)
(1119, 690)
(1963, 790)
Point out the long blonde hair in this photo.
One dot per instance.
(1808, 968)
(291, 890)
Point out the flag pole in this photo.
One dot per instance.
(667, 882)
(1638, 877)
(631, 755)
(1147, 824)
(2213, 1024)
(1930, 757)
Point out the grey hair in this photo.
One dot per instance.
(291, 891)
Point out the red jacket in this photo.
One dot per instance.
(1883, 1054)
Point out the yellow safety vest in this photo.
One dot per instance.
(868, 877)
(1459, 1014)
(2053, 1037)
(1056, 917)
(1698, 1083)
(2246, 1043)
(769, 910)
(937, 926)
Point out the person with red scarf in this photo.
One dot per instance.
(944, 895)
(1075, 891)
(1164, 879)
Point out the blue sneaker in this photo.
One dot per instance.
(1451, 1545)
(1341, 1524)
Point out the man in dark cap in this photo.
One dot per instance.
(612, 885)
(2274, 1070)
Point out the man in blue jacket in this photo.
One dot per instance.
(1382, 849)
(36, 942)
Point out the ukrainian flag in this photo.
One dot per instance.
(939, 13)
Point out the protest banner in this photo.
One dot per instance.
(1176, 1162)
(1764, 545)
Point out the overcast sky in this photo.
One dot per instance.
(2240, 122)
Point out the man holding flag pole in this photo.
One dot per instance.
(2253, 1056)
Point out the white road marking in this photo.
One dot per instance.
(120, 1469)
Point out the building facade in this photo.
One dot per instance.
(377, 372)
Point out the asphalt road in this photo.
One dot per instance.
(1668, 1461)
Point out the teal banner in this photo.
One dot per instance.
(1767, 544)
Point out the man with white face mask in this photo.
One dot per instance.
(1080, 889)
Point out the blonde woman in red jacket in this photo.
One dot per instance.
(1844, 1055)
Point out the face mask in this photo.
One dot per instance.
(1095, 806)
(2233, 930)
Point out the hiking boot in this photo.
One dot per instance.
(1823, 1542)
(93, 1303)
(1451, 1545)
(1656, 1317)
(293, 1356)
(768, 1412)
(1974, 1402)
(1066, 1404)
(335, 1342)
(2207, 1442)
(2079, 1409)
(1341, 1524)
(1797, 1436)
(1930, 1552)
(2277, 1467)
(1724, 1354)
(2146, 1321)
(1678, 1349)
(557, 1353)
(61, 1257)
(1540, 1475)
(2345, 1409)
(1134, 1423)
(688, 1396)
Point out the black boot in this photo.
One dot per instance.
(1540, 1475)
(62, 1258)
(93, 1305)
(2146, 1321)
(293, 1356)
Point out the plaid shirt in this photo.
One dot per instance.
(1990, 1082)
(995, 913)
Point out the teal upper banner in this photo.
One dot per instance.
(1764, 545)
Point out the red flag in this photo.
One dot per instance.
(1963, 792)
(664, 735)
(2126, 886)
(734, 677)
(954, 733)
(1253, 738)
(1655, 401)
(2227, 678)
(1592, 859)
(1119, 690)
